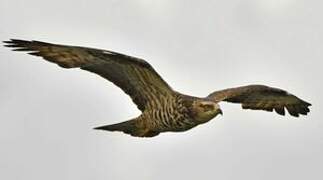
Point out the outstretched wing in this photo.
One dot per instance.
(134, 76)
(261, 97)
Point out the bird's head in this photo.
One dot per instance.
(205, 110)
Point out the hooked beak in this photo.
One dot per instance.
(220, 112)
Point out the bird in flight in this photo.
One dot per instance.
(163, 109)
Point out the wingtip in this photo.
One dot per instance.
(10, 41)
(15, 41)
(6, 42)
(17, 45)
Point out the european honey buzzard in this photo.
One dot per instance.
(163, 109)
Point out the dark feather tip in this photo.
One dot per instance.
(17, 40)
(9, 45)
(7, 42)
(12, 45)
(100, 128)
(280, 111)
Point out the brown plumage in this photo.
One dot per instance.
(163, 109)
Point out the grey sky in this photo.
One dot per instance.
(47, 113)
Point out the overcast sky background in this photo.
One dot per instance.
(47, 113)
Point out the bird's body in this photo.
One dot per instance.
(163, 109)
(173, 114)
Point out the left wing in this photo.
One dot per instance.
(259, 97)
(134, 76)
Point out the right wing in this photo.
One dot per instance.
(259, 97)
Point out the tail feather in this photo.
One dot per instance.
(129, 127)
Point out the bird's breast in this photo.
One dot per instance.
(171, 120)
(171, 115)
